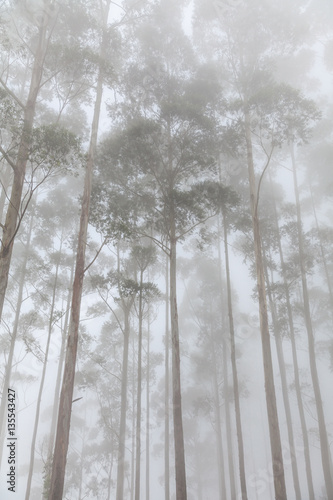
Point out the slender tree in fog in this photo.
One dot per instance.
(64, 414)
(240, 443)
(45, 23)
(324, 444)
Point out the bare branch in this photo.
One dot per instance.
(7, 158)
(97, 254)
(16, 99)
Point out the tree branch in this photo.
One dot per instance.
(6, 157)
(16, 99)
(97, 254)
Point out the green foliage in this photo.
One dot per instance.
(283, 115)
(53, 147)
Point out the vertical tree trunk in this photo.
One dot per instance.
(218, 425)
(9, 365)
(14, 206)
(65, 404)
(228, 420)
(234, 366)
(148, 415)
(284, 383)
(123, 410)
(42, 380)
(324, 446)
(295, 361)
(181, 492)
(59, 373)
(167, 391)
(138, 398)
(273, 422)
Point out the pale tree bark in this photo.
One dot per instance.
(148, 412)
(123, 410)
(181, 491)
(284, 384)
(42, 380)
(239, 430)
(9, 365)
(167, 390)
(218, 425)
(324, 446)
(138, 398)
(273, 421)
(295, 362)
(228, 420)
(14, 210)
(57, 388)
(66, 396)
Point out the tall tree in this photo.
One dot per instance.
(45, 19)
(65, 405)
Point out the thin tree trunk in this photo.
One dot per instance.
(57, 389)
(148, 414)
(138, 399)
(123, 410)
(42, 380)
(110, 476)
(273, 421)
(284, 383)
(198, 473)
(9, 365)
(65, 405)
(241, 458)
(324, 446)
(181, 492)
(295, 362)
(228, 420)
(14, 209)
(218, 425)
(167, 391)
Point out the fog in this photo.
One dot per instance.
(166, 272)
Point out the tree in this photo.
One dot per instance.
(64, 414)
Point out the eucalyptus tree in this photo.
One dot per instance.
(156, 157)
(251, 42)
(324, 443)
(63, 426)
(35, 23)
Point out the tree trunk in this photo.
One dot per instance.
(167, 391)
(273, 422)
(57, 390)
(181, 492)
(42, 380)
(284, 383)
(234, 367)
(123, 409)
(228, 420)
(295, 362)
(324, 446)
(218, 426)
(148, 415)
(9, 365)
(14, 206)
(66, 397)
(138, 398)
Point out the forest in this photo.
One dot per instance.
(166, 254)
